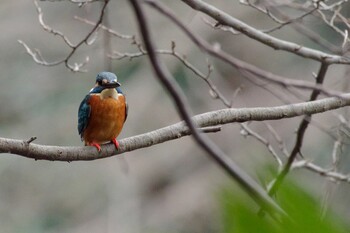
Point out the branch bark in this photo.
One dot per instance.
(273, 42)
(220, 117)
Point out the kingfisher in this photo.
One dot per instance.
(102, 112)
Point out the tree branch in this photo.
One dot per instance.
(226, 19)
(300, 134)
(220, 117)
(36, 55)
(245, 68)
(276, 183)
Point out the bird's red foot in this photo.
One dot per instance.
(95, 145)
(116, 143)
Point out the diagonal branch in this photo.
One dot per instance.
(248, 184)
(280, 23)
(302, 29)
(245, 68)
(300, 134)
(226, 19)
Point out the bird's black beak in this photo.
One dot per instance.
(111, 85)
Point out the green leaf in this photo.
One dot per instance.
(239, 214)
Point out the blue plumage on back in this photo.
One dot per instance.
(83, 115)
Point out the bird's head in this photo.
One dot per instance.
(105, 80)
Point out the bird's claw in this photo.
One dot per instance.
(116, 143)
(96, 145)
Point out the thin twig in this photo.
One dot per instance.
(336, 176)
(182, 58)
(226, 19)
(280, 23)
(278, 139)
(313, 36)
(185, 62)
(249, 132)
(30, 140)
(76, 67)
(300, 135)
(242, 66)
(103, 27)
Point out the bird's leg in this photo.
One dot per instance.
(116, 143)
(95, 145)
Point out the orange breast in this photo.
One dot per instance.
(106, 119)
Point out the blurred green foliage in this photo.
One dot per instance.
(304, 211)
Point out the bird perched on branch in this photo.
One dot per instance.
(102, 112)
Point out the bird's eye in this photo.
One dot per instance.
(99, 82)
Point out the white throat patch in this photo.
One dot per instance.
(109, 93)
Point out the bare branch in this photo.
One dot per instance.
(300, 135)
(37, 56)
(278, 139)
(182, 58)
(76, 67)
(313, 36)
(275, 19)
(208, 122)
(79, 2)
(103, 27)
(48, 28)
(249, 132)
(226, 19)
(244, 67)
(184, 61)
(321, 171)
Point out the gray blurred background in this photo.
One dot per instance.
(171, 187)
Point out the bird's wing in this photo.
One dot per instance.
(83, 115)
(119, 90)
(126, 110)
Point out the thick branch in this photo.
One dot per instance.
(226, 19)
(178, 130)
